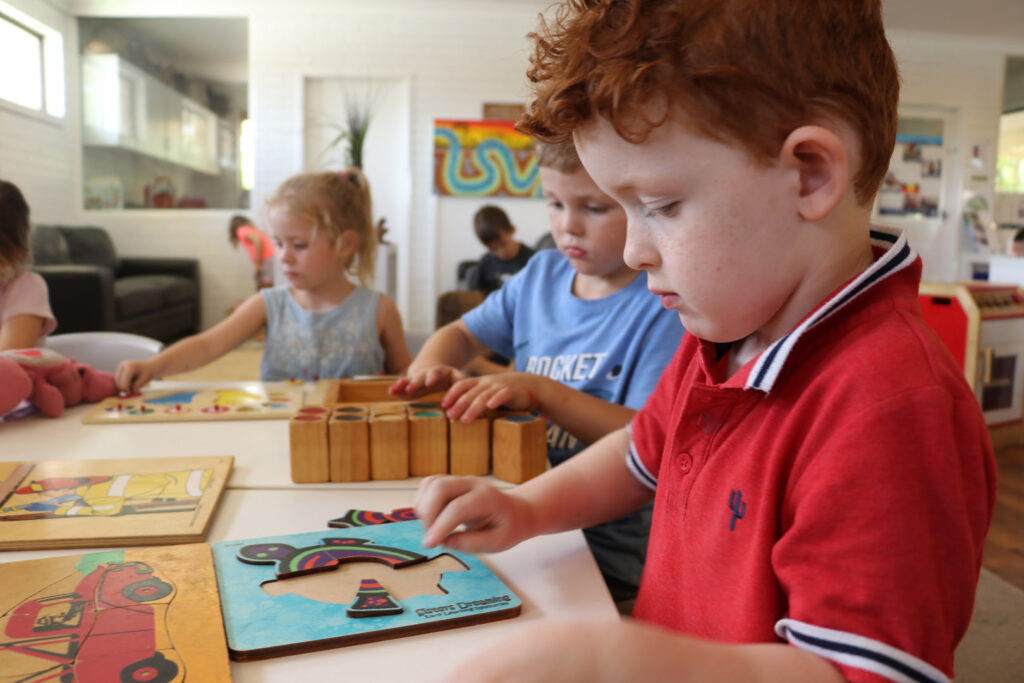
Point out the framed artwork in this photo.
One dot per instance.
(487, 158)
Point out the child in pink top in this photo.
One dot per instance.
(25, 315)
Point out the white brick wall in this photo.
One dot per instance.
(38, 152)
(457, 54)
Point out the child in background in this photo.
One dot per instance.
(588, 341)
(25, 315)
(320, 325)
(822, 475)
(259, 247)
(505, 255)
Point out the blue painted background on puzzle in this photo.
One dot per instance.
(255, 620)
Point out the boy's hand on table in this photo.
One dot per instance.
(469, 398)
(423, 380)
(468, 514)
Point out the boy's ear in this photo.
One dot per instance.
(819, 156)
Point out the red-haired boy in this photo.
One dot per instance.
(821, 473)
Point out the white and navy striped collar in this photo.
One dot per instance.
(898, 255)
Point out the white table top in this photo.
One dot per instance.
(554, 576)
(260, 447)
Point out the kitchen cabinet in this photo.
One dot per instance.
(127, 108)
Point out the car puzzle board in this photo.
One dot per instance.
(140, 614)
(309, 591)
(254, 401)
(93, 503)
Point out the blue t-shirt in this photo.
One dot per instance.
(614, 348)
(310, 345)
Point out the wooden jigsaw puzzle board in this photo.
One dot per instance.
(265, 616)
(144, 614)
(246, 402)
(93, 503)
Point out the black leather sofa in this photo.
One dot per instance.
(93, 288)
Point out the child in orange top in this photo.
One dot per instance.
(260, 248)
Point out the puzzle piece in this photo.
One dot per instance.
(292, 561)
(357, 517)
(373, 600)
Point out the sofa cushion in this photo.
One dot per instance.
(49, 248)
(140, 294)
(91, 246)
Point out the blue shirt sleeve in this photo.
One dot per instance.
(493, 321)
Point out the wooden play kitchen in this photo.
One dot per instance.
(362, 433)
(983, 326)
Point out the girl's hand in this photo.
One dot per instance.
(419, 381)
(470, 397)
(490, 520)
(132, 375)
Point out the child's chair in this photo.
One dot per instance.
(104, 350)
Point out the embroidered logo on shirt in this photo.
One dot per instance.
(738, 507)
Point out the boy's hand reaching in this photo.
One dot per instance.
(490, 520)
(419, 381)
(470, 397)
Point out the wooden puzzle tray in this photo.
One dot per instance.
(93, 503)
(141, 614)
(250, 401)
(309, 591)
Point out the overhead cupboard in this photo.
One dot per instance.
(127, 108)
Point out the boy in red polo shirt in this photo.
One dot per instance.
(821, 473)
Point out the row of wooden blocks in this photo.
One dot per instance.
(399, 440)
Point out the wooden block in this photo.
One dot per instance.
(307, 437)
(428, 443)
(389, 409)
(520, 447)
(389, 446)
(347, 391)
(349, 443)
(469, 447)
(352, 410)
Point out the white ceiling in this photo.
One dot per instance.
(1003, 19)
(213, 40)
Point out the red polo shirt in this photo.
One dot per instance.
(835, 492)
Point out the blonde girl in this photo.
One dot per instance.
(320, 324)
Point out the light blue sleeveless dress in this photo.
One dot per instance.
(312, 345)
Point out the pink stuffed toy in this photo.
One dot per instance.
(50, 381)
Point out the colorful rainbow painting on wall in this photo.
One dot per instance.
(484, 159)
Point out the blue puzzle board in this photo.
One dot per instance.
(259, 625)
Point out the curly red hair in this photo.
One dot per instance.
(744, 72)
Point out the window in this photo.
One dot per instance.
(38, 81)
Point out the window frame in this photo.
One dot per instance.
(53, 74)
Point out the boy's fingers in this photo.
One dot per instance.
(453, 502)
(501, 397)
(435, 492)
(398, 387)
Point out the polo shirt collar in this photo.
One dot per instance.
(892, 254)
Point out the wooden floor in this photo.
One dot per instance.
(1004, 546)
